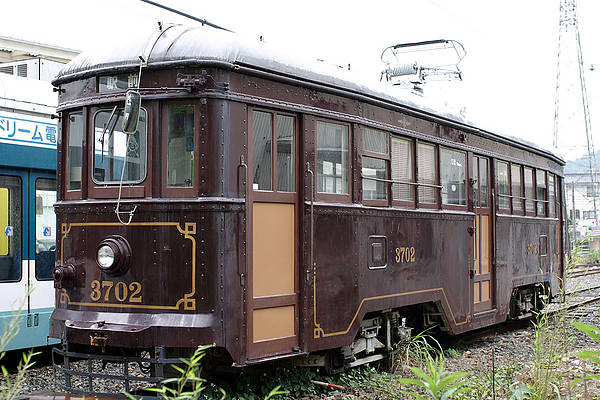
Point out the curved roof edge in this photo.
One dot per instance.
(198, 45)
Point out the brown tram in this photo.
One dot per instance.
(279, 209)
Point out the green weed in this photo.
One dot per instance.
(435, 381)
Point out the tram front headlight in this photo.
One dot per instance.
(113, 255)
(105, 256)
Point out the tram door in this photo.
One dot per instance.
(273, 234)
(482, 277)
(27, 252)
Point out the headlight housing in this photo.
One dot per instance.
(114, 255)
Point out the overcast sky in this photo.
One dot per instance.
(509, 74)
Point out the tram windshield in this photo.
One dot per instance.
(112, 148)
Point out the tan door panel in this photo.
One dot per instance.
(273, 323)
(273, 249)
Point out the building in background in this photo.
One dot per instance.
(28, 137)
(32, 60)
(580, 192)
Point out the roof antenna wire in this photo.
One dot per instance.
(202, 21)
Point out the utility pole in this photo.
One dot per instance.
(569, 40)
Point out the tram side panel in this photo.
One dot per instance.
(372, 261)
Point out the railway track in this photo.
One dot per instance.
(584, 270)
(552, 309)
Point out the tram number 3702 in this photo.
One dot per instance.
(405, 254)
(119, 291)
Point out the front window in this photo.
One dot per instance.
(113, 149)
(180, 133)
(75, 153)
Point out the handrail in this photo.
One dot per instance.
(245, 166)
(393, 181)
(312, 219)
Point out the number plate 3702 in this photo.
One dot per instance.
(109, 291)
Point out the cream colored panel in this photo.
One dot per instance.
(476, 292)
(485, 290)
(273, 323)
(273, 249)
(485, 244)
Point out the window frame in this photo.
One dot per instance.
(274, 194)
(111, 190)
(554, 212)
(22, 226)
(413, 182)
(76, 194)
(458, 207)
(499, 208)
(174, 191)
(35, 231)
(379, 156)
(437, 189)
(544, 201)
(473, 202)
(529, 213)
(519, 196)
(334, 197)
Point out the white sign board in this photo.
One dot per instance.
(26, 130)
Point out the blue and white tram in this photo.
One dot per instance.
(28, 140)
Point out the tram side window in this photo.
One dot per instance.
(180, 137)
(483, 182)
(10, 226)
(529, 190)
(517, 188)
(332, 158)
(374, 169)
(402, 169)
(45, 228)
(453, 177)
(426, 173)
(540, 181)
(503, 188)
(551, 196)
(111, 146)
(262, 136)
(74, 157)
(286, 146)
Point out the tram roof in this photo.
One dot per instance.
(181, 44)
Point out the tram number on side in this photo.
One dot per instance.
(405, 255)
(119, 291)
(533, 248)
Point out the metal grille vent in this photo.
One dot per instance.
(22, 70)
(7, 70)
